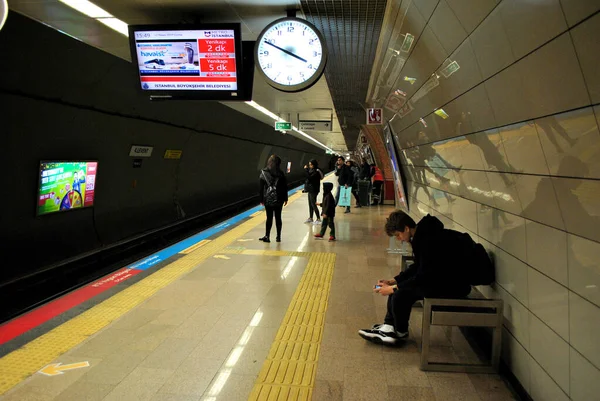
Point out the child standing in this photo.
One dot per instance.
(328, 213)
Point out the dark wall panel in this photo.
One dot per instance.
(63, 100)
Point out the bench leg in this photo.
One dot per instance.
(497, 339)
(425, 334)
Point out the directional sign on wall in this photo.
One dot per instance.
(307, 125)
(283, 126)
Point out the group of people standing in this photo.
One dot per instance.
(349, 173)
(274, 196)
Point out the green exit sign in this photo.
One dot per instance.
(283, 126)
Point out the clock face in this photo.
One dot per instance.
(290, 54)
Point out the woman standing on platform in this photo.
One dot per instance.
(356, 173)
(313, 187)
(377, 184)
(273, 195)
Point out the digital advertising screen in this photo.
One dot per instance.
(398, 184)
(66, 185)
(203, 59)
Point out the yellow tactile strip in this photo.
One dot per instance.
(195, 246)
(244, 251)
(22, 363)
(291, 366)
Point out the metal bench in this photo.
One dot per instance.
(475, 311)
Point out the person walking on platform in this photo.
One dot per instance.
(328, 212)
(273, 195)
(313, 187)
(377, 184)
(439, 270)
(344, 175)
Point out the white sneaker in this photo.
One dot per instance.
(317, 222)
(377, 336)
(308, 221)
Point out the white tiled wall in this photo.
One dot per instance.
(516, 163)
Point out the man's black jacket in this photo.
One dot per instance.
(438, 267)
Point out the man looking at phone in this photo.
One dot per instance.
(437, 271)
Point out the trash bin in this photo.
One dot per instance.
(364, 192)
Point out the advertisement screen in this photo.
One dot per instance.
(179, 60)
(66, 185)
(398, 184)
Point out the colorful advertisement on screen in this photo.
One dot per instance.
(187, 60)
(66, 185)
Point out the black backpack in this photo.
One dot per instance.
(270, 197)
(479, 267)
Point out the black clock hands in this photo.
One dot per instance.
(286, 51)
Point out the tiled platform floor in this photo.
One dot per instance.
(206, 336)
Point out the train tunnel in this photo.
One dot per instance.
(130, 222)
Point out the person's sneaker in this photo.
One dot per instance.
(347, 211)
(332, 238)
(278, 239)
(308, 221)
(378, 336)
(317, 222)
(264, 239)
(318, 236)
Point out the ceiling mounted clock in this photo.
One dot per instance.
(3, 12)
(291, 54)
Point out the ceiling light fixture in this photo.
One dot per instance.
(99, 14)
(115, 24)
(88, 8)
(275, 117)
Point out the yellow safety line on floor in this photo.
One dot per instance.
(195, 246)
(27, 360)
(244, 251)
(289, 372)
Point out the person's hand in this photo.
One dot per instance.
(305, 166)
(262, 203)
(318, 204)
(323, 215)
(346, 186)
(285, 203)
(386, 282)
(386, 290)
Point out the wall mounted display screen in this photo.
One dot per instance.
(204, 59)
(398, 184)
(66, 186)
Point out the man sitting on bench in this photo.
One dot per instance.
(437, 272)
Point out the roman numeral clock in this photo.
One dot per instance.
(291, 54)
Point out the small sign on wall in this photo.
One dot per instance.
(137, 163)
(173, 154)
(374, 116)
(141, 151)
